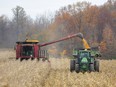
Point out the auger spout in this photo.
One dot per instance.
(80, 35)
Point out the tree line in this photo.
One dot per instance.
(97, 23)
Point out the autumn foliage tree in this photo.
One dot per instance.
(97, 23)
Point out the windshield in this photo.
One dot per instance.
(84, 54)
(27, 51)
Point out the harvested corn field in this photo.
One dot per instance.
(14, 73)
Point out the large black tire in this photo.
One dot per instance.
(77, 69)
(32, 58)
(76, 61)
(91, 68)
(17, 58)
(97, 65)
(72, 65)
(26, 58)
(21, 59)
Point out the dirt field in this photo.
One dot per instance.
(55, 74)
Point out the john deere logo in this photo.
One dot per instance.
(84, 60)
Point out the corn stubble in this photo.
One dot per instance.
(54, 74)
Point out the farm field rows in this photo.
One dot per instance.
(14, 73)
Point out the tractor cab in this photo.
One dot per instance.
(27, 50)
(83, 54)
(28, 47)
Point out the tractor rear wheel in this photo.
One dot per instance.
(91, 67)
(77, 69)
(72, 65)
(97, 65)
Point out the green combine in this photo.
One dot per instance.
(85, 60)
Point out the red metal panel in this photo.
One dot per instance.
(18, 51)
(36, 49)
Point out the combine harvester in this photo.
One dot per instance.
(85, 59)
(31, 49)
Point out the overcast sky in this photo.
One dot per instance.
(36, 7)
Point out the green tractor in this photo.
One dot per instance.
(85, 60)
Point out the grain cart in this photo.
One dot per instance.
(31, 49)
(84, 60)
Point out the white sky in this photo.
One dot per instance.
(35, 7)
